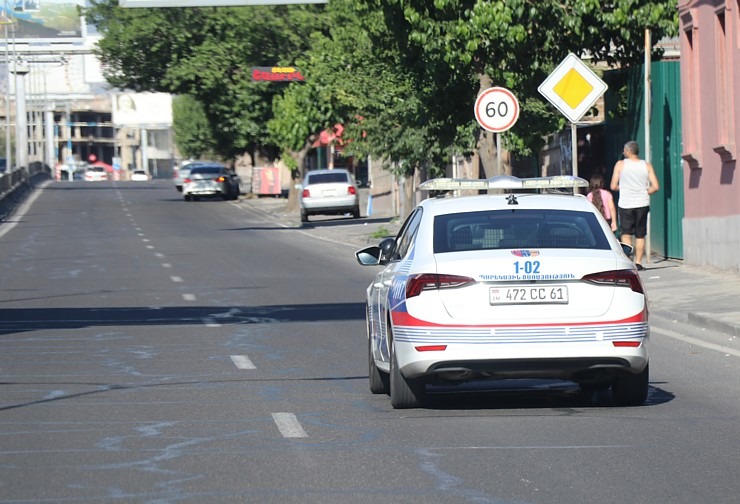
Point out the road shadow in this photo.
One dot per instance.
(19, 320)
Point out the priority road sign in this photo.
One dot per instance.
(573, 88)
(496, 109)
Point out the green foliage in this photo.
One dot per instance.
(517, 43)
(400, 75)
(192, 132)
(207, 53)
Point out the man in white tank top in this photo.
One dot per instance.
(635, 180)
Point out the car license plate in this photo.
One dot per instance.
(529, 294)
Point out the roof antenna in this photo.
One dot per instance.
(511, 198)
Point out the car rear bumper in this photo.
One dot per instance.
(347, 204)
(568, 361)
(203, 190)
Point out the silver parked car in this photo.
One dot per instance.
(210, 179)
(329, 192)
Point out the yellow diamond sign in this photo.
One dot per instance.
(573, 88)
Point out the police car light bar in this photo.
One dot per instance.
(504, 182)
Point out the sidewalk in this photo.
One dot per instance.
(701, 296)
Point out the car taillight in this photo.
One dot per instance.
(351, 190)
(221, 179)
(306, 193)
(617, 278)
(428, 281)
(187, 180)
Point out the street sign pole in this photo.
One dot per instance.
(574, 150)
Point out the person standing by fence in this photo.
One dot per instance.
(635, 180)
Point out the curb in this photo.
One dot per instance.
(714, 322)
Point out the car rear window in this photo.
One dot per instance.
(206, 169)
(327, 178)
(507, 229)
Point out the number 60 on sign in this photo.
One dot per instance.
(496, 109)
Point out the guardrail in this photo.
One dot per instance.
(15, 185)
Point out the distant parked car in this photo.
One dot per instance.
(139, 176)
(329, 192)
(210, 179)
(95, 174)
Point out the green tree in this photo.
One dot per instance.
(192, 132)
(473, 44)
(207, 53)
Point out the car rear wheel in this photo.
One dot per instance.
(304, 216)
(405, 393)
(379, 381)
(631, 389)
(187, 197)
(356, 212)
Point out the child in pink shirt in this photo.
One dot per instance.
(603, 200)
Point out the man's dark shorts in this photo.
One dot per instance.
(633, 221)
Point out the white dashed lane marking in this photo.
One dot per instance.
(176, 279)
(189, 297)
(209, 322)
(288, 425)
(242, 362)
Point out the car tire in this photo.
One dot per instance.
(304, 216)
(405, 393)
(356, 212)
(187, 197)
(379, 381)
(631, 389)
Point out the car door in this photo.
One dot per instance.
(392, 279)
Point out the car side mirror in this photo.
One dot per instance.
(369, 256)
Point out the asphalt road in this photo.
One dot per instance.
(153, 350)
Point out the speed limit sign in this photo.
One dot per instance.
(496, 109)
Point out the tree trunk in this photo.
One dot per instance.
(298, 173)
(486, 147)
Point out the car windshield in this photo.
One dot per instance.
(506, 229)
(327, 178)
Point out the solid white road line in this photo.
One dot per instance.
(242, 362)
(696, 341)
(288, 425)
(21, 211)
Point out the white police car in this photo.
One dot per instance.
(515, 285)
